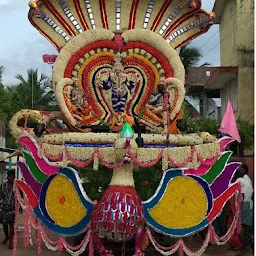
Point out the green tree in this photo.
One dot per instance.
(15, 98)
(34, 92)
(190, 56)
(5, 99)
(1, 73)
(204, 125)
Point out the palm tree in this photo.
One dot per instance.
(1, 73)
(190, 56)
(34, 92)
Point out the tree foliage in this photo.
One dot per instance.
(34, 92)
(1, 73)
(246, 130)
(17, 97)
(96, 182)
(202, 124)
(190, 56)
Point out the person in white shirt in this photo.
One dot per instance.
(246, 176)
(246, 210)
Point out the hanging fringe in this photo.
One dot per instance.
(15, 235)
(181, 248)
(212, 237)
(145, 242)
(26, 232)
(39, 241)
(91, 246)
(96, 162)
(60, 244)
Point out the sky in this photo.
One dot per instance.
(22, 46)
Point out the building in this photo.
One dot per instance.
(235, 77)
(205, 101)
(222, 84)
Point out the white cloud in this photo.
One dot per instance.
(6, 6)
(23, 46)
(29, 56)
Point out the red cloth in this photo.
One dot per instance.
(235, 240)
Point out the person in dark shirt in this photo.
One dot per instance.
(7, 208)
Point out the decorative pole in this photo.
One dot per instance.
(32, 103)
(166, 114)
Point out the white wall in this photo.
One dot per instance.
(229, 92)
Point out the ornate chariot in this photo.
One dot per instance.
(119, 84)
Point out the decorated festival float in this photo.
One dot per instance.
(119, 84)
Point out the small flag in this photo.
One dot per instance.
(228, 123)
(195, 115)
(127, 131)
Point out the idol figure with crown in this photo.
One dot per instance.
(112, 57)
(121, 85)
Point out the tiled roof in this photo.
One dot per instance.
(198, 76)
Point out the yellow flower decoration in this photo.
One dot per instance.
(62, 202)
(183, 205)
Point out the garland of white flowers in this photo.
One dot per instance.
(101, 138)
(175, 86)
(75, 44)
(16, 130)
(61, 101)
(156, 41)
(145, 157)
(35, 115)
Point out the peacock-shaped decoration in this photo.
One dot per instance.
(119, 84)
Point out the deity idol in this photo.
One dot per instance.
(156, 100)
(121, 85)
(79, 101)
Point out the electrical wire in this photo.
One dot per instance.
(223, 25)
(226, 36)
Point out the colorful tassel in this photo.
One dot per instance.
(15, 236)
(39, 241)
(91, 246)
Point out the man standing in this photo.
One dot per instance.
(7, 208)
(246, 176)
(246, 212)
